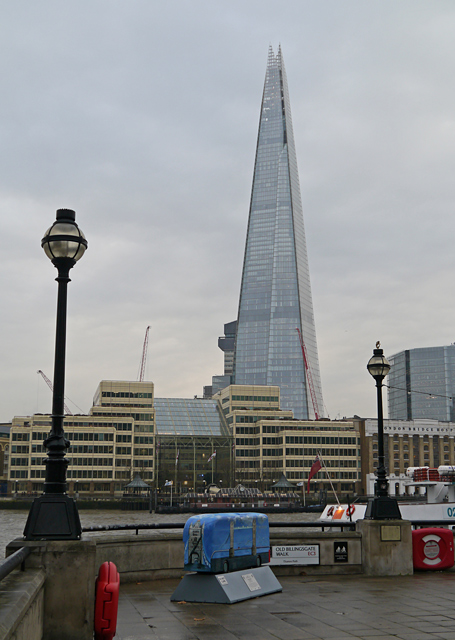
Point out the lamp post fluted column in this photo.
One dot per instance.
(54, 515)
(382, 506)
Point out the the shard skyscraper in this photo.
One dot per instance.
(275, 295)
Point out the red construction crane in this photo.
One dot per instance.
(144, 355)
(309, 376)
(49, 384)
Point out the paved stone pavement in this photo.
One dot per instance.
(419, 607)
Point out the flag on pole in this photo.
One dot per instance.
(177, 458)
(313, 471)
(212, 456)
(168, 483)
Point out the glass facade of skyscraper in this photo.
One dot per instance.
(422, 384)
(275, 296)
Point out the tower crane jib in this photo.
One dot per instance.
(51, 387)
(144, 355)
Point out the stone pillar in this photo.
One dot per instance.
(69, 588)
(386, 547)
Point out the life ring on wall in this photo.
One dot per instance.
(432, 548)
(350, 510)
(106, 601)
(330, 511)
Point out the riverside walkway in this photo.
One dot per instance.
(418, 607)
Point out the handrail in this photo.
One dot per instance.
(180, 525)
(13, 561)
(283, 525)
(426, 523)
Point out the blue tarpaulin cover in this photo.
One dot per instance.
(216, 535)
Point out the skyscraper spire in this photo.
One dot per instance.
(275, 295)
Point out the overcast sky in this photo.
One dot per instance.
(142, 117)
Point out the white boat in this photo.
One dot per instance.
(437, 504)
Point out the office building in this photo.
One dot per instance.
(109, 445)
(226, 343)
(5, 428)
(407, 443)
(268, 442)
(188, 433)
(275, 295)
(239, 436)
(421, 384)
(126, 432)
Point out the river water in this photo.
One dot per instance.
(12, 522)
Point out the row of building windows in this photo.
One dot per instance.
(333, 453)
(322, 440)
(251, 442)
(253, 399)
(138, 417)
(138, 405)
(92, 462)
(90, 473)
(123, 437)
(249, 419)
(90, 448)
(125, 394)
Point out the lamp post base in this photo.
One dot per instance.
(53, 516)
(382, 508)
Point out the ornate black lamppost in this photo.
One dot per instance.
(382, 506)
(54, 515)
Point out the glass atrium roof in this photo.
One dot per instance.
(188, 417)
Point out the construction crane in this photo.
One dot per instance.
(51, 387)
(309, 375)
(144, 355)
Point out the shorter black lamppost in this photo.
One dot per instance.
(382, 506)
(54, 515)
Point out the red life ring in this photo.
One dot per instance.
(330, 511)
(106, 601)
(350, 510)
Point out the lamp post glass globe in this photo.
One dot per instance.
(378, 366)
(64, 239)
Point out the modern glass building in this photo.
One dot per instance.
(422, 384)
(188, 432)
(275, 295)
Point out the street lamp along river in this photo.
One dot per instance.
(382, 506)
(54, 515)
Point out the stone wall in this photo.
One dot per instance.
(153, 555)
(22, 605)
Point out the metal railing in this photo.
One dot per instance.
(13, 561)
(18, 558)
(180, 525)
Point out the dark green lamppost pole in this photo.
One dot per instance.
(54, 515)
(382, 506)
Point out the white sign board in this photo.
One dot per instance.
(295, 554)
(251, 582)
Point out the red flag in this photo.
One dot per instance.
(313, 471)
